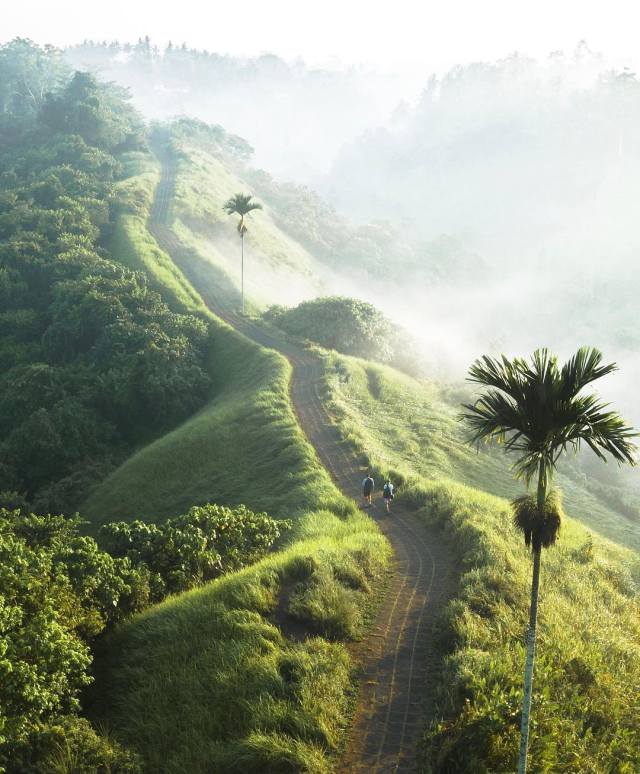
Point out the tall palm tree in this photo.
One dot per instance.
(538, 411)
(241, 204)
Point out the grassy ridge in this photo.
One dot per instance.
(243, 446)
(412, 429)
(209, 680)
(132, 244)
(251, 672)
(278, 268)
(586, 702)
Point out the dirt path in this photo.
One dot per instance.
(398, 659)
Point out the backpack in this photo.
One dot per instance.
(387, 491)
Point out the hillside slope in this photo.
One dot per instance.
(585, 706)
(396, 424)
(169, 679)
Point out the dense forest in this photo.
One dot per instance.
(93, 360)
(93, 364)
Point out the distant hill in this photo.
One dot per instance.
(297, 117)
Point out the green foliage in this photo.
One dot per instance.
(93, 361)
(345, 324)
(584, 702)
(537, 410)
(241, 204)
(93, 111)
(27, 73)
(196, 547)
(70, 745)
(57, 592)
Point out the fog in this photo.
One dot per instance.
(535, 167)
(531, 168)
(296, 117)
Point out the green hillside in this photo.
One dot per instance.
(122, 394)
(206, 458)
(413, 428)
(409, 429)
(208, 172)
(216, 678)
(585, 703)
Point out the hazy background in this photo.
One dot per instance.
(517, 174)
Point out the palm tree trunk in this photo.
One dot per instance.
(242, 269)
(531, 634)
(528, 670)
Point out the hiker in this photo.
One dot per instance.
(367, 489)
(387, 494)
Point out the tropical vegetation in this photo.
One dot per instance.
(241, 204)
(539, 411)
(93, 360)
(584, 702)
(350, 326)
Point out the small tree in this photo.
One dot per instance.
(538, 411)
(241, 204)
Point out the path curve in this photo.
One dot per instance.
(398, 659)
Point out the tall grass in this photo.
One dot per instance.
(249, 673)
(586, 698)
(412, 428)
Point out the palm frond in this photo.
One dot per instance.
(503, 374)
(494, 415)
(241, 204)
(535, 409)
(582, 369)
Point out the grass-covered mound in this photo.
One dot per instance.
(585, 702)
(209, 680)
(250, 672)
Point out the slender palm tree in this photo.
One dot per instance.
(241, 204)
(538, 411)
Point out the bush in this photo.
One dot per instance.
(345, 324)
(195, 547)
(350, 326)
(70, 745)
(57, 590)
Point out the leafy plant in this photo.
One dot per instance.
(196, 547)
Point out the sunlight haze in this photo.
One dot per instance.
(406, 33)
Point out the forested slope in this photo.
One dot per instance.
(108, 347)
(94, 360)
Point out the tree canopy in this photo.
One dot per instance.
(92, 360)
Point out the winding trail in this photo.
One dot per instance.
(398, 659)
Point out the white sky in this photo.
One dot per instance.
(386, 34)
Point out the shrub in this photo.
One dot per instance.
(195, 547)
(56, 590)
